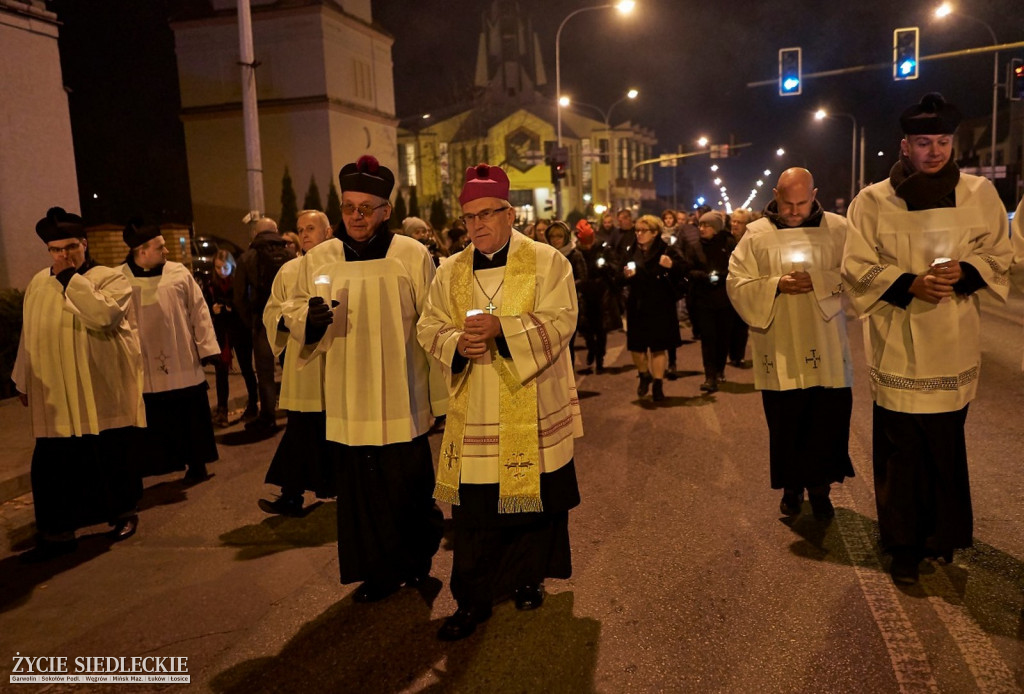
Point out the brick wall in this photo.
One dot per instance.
(107, 247)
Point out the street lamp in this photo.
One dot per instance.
(607, 117)
(822, 114)
(944, 10)
(624, 7)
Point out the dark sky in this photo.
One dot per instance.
(690, 60)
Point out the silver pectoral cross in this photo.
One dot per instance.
(490, 307)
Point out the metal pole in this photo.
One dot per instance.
(860, 181)
(250, 112)
(995, 107)
(853, 163)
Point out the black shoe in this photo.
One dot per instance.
(195, 475)
(710, 385)
(373, 591)
(905, 567)
(45, 550)
(792, 500)
(282, 506)
(124, 528)
(252, 411)
(462, 623)
(600, 365)
(658, 392)
(529, 597)
(644, 385)
(822, 507)
(670, 372)
(721, 375)
(262, 426)
(417, 581)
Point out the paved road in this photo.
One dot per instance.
(685, 577)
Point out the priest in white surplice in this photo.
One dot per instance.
(498, 321)
(784, 282)
(177, 338)
(79, 370)
(379, 404)
(921, 247)
(301, 461)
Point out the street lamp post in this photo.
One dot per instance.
(945, 10)
(624, 7)
(606, 116)
(821, 114)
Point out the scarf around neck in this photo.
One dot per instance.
(924, 191)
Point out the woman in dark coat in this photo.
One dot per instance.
(653, 273)
(599, 302)
(558, 236)
(708, 261)
(231, 334)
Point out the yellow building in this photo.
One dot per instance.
(512, 125)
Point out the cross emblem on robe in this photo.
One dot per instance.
(814, 359)
(450, 455)
(515, 462)
(767, 364)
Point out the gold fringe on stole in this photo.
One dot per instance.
(518, 439)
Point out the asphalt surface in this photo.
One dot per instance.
(686, 578)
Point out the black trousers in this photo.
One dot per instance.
(84, 480)
(922, 487)
(263, 356)
(715, 328)
(389, 527)
(809, 436)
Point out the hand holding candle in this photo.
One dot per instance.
(322, 288)
(630, 269)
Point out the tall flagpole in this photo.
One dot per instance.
(250, 113)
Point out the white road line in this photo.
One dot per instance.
(906, 652)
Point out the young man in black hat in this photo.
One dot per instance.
(356, 302)
(177, 338)
(79, 370)
(920, 247)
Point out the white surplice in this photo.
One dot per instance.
(302, 389)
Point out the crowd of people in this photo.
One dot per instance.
(381, 333)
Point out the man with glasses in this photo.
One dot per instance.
(79, 369)
(357, 299)
(498, 321)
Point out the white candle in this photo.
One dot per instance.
(940, 261)
(322, 286)
(474, 312)
(631, 266)
(600, 262)
(713, 277)
(798, 261)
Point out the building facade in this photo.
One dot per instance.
(326, 97)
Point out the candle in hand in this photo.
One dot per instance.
(474, 312)
(798, 261)
(322, 286)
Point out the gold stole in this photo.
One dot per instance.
(518, 440)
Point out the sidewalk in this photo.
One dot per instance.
(17, 442)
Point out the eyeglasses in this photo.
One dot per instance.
(70, 248)
(364, 210)
(483, 215)
(641, 230)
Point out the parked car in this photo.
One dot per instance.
(204, 249)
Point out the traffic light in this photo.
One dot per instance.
(1015, 80)
(790, 70)
(904, 53)
(559, 162)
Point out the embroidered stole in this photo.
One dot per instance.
(518, 439)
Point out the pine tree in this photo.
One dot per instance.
(333, 206)
(438, 217)
(414, 206)
(312, 201)
(289, 211)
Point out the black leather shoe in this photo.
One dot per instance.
(124, 528)
(822, 507)
(905, 568)
(373, 591)
(462, 623)
(416, 581)
(658, 391)
(282, 506)
(792, 500)
(45, 550)
(709, 386)
(262, 426)
(529, 597)
(196, 474)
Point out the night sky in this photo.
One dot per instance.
(691, 62)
